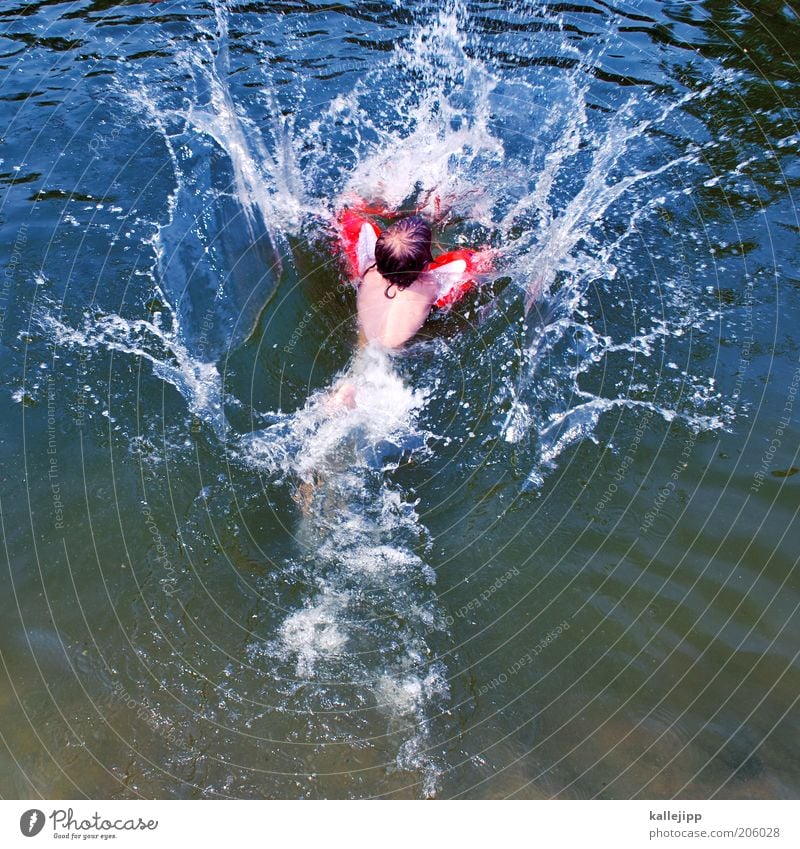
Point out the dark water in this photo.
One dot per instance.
(554, 550)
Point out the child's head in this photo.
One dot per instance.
(403, 250)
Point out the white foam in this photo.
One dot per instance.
(442, 140)
(313, 633)
(308, 442)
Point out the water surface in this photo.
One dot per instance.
(552, 553)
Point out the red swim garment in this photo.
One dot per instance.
(455, 271)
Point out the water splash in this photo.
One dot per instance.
(559, 205)
(198, 382)
(327, 436)
(217, 256)
(445, 140)
(365, 624)
(219, 253)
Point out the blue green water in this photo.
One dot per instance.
(552, 552)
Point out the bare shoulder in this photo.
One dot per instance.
(424, 287)
(427, 280)
(372, 275)
(426, 284)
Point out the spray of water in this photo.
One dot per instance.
(435, 124)
(559, 205)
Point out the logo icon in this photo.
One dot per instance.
(31, 822)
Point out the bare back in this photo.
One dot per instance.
(393, 321)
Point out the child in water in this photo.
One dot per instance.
(399, 282)
(394, 296)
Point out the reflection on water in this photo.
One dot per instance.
(225, 583)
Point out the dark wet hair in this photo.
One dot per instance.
(403, 250)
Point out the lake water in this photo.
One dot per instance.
(553, 552)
